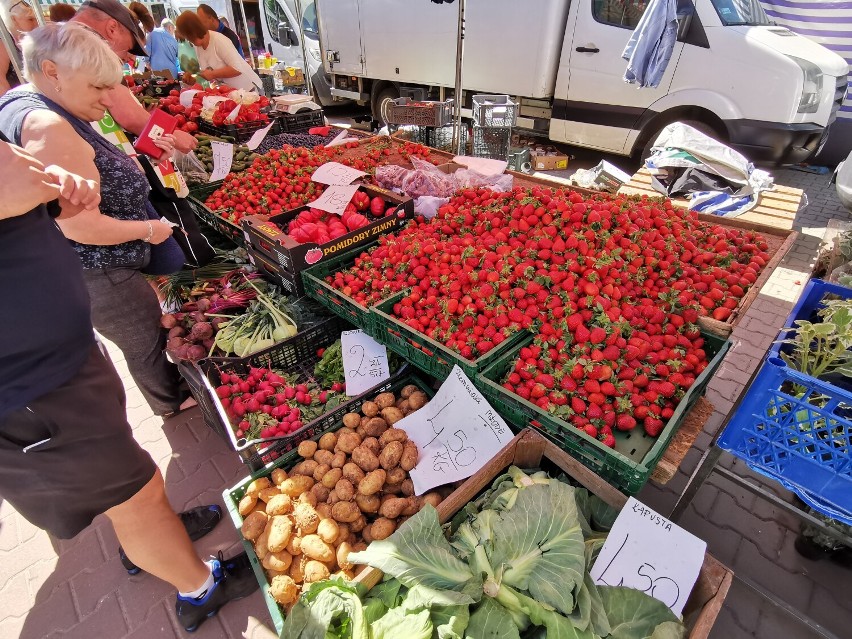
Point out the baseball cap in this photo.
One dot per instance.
(121, 14)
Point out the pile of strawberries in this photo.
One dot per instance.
(612, 288)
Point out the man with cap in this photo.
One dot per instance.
(116, 24)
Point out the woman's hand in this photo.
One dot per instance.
(166, 143)
(26, 184)
(74, 189)
(162, 232)
(184, 142)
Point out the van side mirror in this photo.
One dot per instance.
(286, 35)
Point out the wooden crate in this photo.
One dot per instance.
(528, 450)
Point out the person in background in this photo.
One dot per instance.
(118, 26)
(217, 57)
(214, 23)
(67, 453)
(224, 21)
(188, 61)
(19, 18)
(163, 48)
(61, 12)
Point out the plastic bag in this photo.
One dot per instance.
(469, 179)
(191, 167)
(390, 176)
(428, 205)
(426, 179)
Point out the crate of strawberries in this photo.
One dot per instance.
(302, 237)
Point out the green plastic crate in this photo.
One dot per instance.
(425, 353)
(197, 196)
(232, 496)
(627, 467)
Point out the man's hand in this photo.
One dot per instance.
(184, 142)
(75, 190)
(25, 182)
(208, 74)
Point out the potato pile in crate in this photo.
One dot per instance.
(351, 487)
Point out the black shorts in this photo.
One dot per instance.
(70, 455)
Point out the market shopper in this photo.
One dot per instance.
(61, 12)
(163, 48)
(19, 18)
(73, 75)
(217, 57)
(67, 453)
(117, 25)
(212, 21)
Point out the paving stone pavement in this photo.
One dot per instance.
(78, 588)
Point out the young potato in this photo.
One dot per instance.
(345, 512)
(261, 544)
(279, 533)
(393, 507)
(396, 476)
(344, 489)
(390, 455)
(393, 435)
(367, 534)
(302, 469)
(323, 510)
(382, 528)
(320, 492)
(323, 456)
(370, 409)
(295, 486)
(247, 504)
(253, 525)
(331, 478)
(257, 485)
(328, 530)
(351, 420)
(316, 571)
(348, 442)
(297, 569)
(365, 459)
(407, 391)
(417, 400)
(407, 487)
(368, 503)
(284, 590)
(342, 534)
(320, 471)
(307, 448)
(375, 426)
(358, 525)
(328, 441)
(373, 482)
(278, 561)
(384, 400)
(404, 407)
(306, 518)
(333, 498)
(268, 493)
(392, 415)
(412, 507)
(294, 546)
(409, 456)
(278, 475)
(279, 505)
(372, 444)
(353, 472)
(315, 548)
(339, 460)
(433, 499)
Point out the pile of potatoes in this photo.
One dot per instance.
(350, 488)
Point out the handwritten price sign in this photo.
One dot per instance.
(223, 157)
(336, 173)
(646, 551)
(365, 361)
(335, 198)
(456, 433)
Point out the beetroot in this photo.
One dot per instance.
(195, 352)
(198, 316)
(175, 343)
(208, 344)
(203, 304)
(168, 321)
(201, 331)
(177, 331)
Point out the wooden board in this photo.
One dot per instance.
(776, 208)
(683, 441)
(528, 450)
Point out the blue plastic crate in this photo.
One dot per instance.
(806, 308)
(797, 430)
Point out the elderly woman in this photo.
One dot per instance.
(217, 57)
(73, 75)
(20, 19)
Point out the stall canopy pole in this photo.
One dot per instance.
(11, 49)
(457, 97)
(301, 34)
(248, 35)
(38, 13)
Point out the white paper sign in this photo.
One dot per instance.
(233, 114)
(456, 434)
(646, 551)
(336, 173)
(258, 136)
(187, 96)
(483, 166)
(335, 198)
(340, 139)
(223, 157)
(210, 101)
(365, 362)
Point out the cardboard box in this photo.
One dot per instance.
(610, 177)
(270, 270)
(274, 243)
(549, 162)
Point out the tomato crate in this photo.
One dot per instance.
(241, 132)
(424, 352)
(215, 221)
(299, 122)
(419, 113)
(275, 273)
(268, 236)
(202, 191)
(295, 356)
(627, 467)
(287, 460)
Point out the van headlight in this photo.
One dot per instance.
(811, 86)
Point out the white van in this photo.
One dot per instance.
(766, 91)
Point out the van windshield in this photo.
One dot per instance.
(740, 12)
(309, 20)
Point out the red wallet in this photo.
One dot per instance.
(160, 123)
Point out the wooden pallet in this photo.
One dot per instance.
(776, 208)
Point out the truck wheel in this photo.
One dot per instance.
(378, 106)
(703, 127)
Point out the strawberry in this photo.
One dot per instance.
(625, 422)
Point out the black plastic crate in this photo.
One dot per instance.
(241, 132)
(299, 122)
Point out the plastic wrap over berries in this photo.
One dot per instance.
(293, 139)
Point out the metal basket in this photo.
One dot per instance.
(494, 111)
(407, 111)
(491, 142)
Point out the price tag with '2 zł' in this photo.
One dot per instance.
(365, 362)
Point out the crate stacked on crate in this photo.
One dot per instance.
(197, 198)
(493, 119)
(427, 122)
(796, 428)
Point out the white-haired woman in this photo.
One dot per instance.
(75, 448)
(20, 19)
(73, 74)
